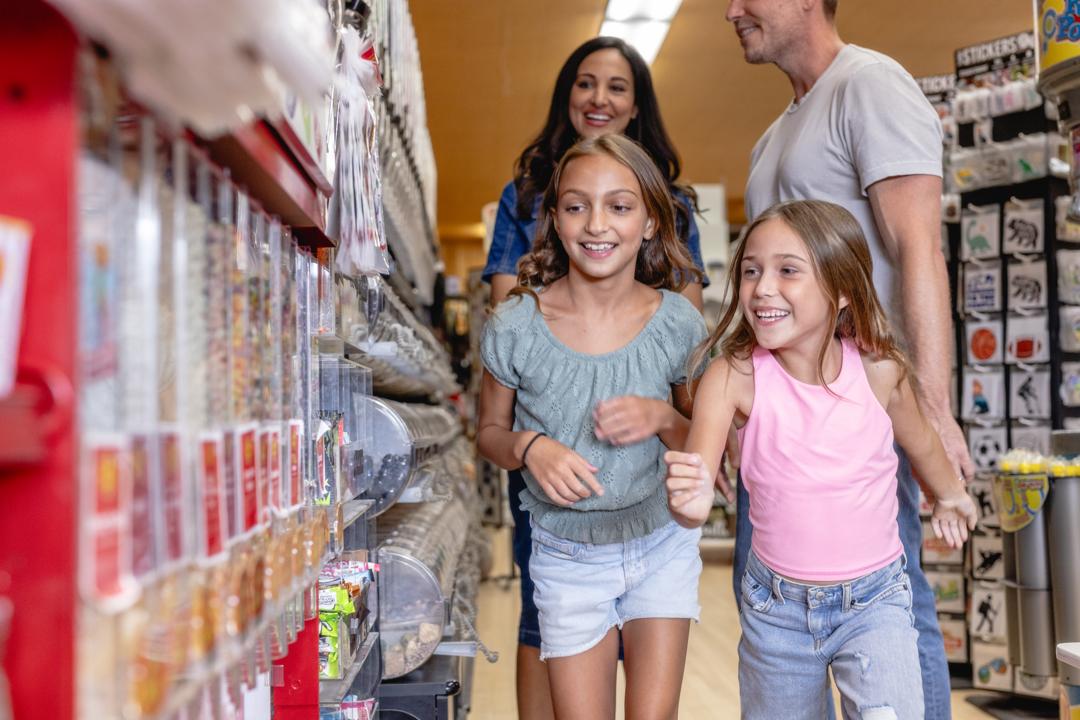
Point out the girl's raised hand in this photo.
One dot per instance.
(953, 518)
(629, 419)
(563, 475)
(689, 488)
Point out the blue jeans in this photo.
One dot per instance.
(792, 634)
(935, 668)
(529, 624)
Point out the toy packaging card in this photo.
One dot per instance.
(981, 232)
(1023, 227)
(987, 445)
(984, 395)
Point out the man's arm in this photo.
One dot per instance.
(907, 211)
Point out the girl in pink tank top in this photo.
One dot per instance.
(808, 373)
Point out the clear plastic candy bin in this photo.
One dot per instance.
(419, 549)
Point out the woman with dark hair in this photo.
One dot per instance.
(603, 87)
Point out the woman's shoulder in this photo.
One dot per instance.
(509, 192)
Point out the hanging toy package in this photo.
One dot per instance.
(356, 206)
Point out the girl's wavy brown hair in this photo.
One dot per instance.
(842, 264)
(662, 262)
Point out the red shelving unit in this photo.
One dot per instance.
(38, 141)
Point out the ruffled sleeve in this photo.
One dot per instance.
(681, 329)
(503, 334)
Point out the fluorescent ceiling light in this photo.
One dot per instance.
(622, 10)
(645, 36)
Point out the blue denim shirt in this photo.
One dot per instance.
(513, 237)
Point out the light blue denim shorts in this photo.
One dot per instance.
(583, 590)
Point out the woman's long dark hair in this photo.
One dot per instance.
(534, 168)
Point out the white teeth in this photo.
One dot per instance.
(771, 314)
(598, 247)
(603, 118)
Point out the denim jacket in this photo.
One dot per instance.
(513, 237)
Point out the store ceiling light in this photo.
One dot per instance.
(642, 23)
(624, 10)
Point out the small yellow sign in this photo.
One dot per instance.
(1058, 32)
(1020, 498)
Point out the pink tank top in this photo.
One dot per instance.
(821, 472)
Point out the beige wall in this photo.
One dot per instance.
(489, 68)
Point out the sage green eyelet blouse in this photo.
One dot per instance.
(557, 390)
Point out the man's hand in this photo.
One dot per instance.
(956, 447)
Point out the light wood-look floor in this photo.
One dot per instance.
(710, 687)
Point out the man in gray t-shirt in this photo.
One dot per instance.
(860, 133)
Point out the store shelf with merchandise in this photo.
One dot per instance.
(217, 413)
(1005, 234)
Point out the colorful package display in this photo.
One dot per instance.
(1022, 226)
(1070, 384)
(948, 587)
(1069, 328)
(982, 492)
(1030, 437)
(986, 445)
(950, 207)
(987, 557)
(935, 551)
(998, 160)
(987, 618)
(954, 632)
(980, 232)
(1030, 157)
(965, 170)
(985, 341)
(982, 287)
(1068, 264)
(1066, 229)
(1027, 285)
(984, 395)
(990, 666)
(1029, 393)
(1027, 340)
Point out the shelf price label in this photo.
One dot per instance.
(273, 467)
(249, 477)
(296, 461)
(105, 569)
(212, 490)
(172, 497)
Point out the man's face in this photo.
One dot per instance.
(766, 28)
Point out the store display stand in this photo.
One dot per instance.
(38, 141)
(428, 693)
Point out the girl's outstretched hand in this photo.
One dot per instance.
(564, 476)
(953, 518)
(689, 488)
(629, 419)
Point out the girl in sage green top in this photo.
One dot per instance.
(596, 318)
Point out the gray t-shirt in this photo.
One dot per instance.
(557, 390)
(864, 120)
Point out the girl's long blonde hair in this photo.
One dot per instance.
(662, 262)
(842, 264)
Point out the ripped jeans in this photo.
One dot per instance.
(793, 633)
